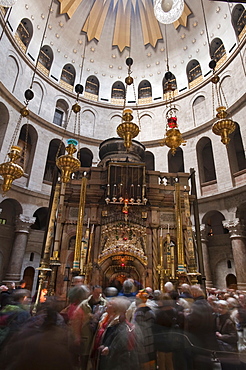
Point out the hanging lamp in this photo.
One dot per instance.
(10, 170)
(173, 137)
(67, 163)
(224, 125)
(127, 130)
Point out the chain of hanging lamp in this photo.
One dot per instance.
(67, 163)
(173, 138)
(11, 170)
(128, 130)
(224, 125)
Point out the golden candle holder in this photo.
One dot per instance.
(67, 163)
(10, 170)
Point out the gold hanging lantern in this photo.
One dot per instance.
(127, 130)
(67, 163)
(11, 171)
(224, 126)
(173, 138)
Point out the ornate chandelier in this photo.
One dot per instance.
(168, 11)
(224, 125)
(127, 130)
(173, 137)
(67, 163)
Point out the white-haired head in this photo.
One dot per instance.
(169, 286)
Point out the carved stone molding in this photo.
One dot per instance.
(23, 223)
(236, 228)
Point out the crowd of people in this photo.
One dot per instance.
(183, 328)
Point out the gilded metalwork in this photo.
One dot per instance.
(24, 112)
(76, 108)
(77, 268)
(173, 139)
(224, 126)
(10, 170)
(67, 163)
(129, 80)
(127, 130)
(180, 243)
(123, 238)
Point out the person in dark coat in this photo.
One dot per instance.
(144, 318)
(116, 340)
(200, 328)
(227, 337)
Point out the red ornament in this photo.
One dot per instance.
(172, 122)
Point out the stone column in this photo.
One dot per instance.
(22, 226)
(237, 232)
(205, 254)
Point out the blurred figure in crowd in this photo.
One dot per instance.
(41, 343)
(116, 341)
(227, 337)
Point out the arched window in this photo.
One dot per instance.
(144, 92)
(4, 120)
(24, 33)
(45, 59)
(176, 161)
(205, 160)
(61, 113)
(231, 281)
(27, 141)
(56, 148)
(239, 20)
(236, 152)
(41, 215)
(213, 221)
(28, 277)
(199, 110)
(85, 156)
(68, 77)
(217, 51)
(11, 208)
(173, 82)
(92, 88)
(149, 161)
(194, 73)
(118, 93)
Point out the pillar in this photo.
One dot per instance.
(205, 254)
(237, 232)
(22, 227)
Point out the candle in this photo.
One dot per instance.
(88, 224)
(161, 232)
(92, 229)
(168, 228)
